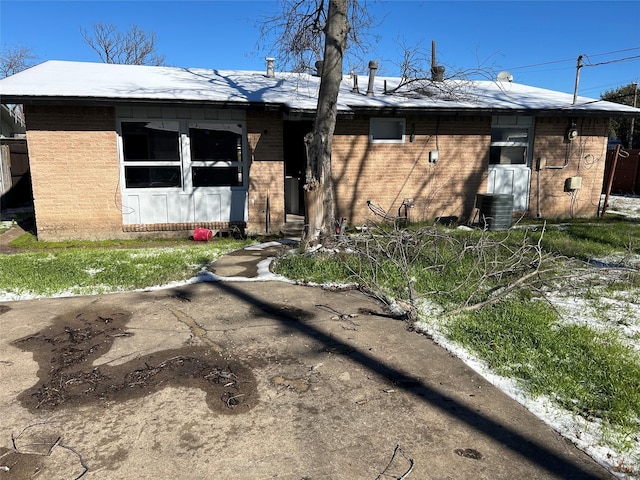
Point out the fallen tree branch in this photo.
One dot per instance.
(397, 451)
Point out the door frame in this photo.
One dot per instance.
(506, 175)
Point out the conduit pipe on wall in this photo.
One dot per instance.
(538, 212)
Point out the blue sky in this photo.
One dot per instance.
(538, 42)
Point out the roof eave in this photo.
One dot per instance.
(566, 112)
(457, 111)
(108, 101)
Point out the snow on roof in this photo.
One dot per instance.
(63, 80)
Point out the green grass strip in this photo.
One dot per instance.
(588, 372)
(100, 270)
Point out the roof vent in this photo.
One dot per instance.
(270, 69)
(373, 66)
(437, 71)
(355, 88)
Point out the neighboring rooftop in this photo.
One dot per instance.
(82, 82)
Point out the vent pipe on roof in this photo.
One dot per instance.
(373, 66)
(270, 69)
(437, 71)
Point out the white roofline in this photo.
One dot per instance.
(82, 82)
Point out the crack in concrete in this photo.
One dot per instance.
(196, 329)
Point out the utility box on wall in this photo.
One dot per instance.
(572, 183)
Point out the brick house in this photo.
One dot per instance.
(119, 150)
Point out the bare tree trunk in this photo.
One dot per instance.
(319, 187)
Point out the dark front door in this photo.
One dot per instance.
(295, 164)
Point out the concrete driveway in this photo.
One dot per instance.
(259, 380)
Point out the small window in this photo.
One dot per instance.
(386, 130)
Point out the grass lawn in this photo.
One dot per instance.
(76, 268)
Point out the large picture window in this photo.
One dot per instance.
(182, 155)
(216, 155)
(151, 154)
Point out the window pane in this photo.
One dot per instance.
(150, 177)
(217, 176)
(215, 145)
(509, 146)
(387, 129)
(150, 141)
(508, 155)
(511, 135)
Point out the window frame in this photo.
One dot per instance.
(184, 161)
(379, 122)
(151, 163)
(240, 164)
(517, 124)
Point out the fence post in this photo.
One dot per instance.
(610, 182)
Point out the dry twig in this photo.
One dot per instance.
(397, 452)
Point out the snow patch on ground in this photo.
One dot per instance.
(627, 205)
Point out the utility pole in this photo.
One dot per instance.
(635, 98)
(575, 89)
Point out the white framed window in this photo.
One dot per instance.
(182, 155)
(387, 130)
(216, 154)
(151, 151)
(511, 140)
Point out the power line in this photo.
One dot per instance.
(608, 86)
(610, 61)
(616, 51)
(541, 64)
(573, 59)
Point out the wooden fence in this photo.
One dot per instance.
(15, 177)
(626, 178)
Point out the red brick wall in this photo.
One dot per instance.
(266, 171)
(584, 157)
(74, 170)
(388, 173)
